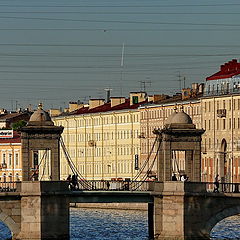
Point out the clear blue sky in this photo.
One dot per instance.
(58, 51)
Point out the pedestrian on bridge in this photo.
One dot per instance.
(216, 184)
(174, 177)
(108, 185)
(69, 179)
(75, 182)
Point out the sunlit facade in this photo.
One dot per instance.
(10, 158)
(103, 139)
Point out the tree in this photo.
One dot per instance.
(17, 125)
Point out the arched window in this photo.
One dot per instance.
(17, 177)
(10, 177)
(4, 177)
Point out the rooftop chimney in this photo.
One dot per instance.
(108, 90)
(117, 100)
(93, 103)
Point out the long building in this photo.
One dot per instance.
(103, 138)
(221, 118)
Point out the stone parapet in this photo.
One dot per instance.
(42, 187)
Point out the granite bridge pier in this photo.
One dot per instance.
(35, 210)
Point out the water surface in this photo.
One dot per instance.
(105, 224)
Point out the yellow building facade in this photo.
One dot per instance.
(10, 158)
(154, 116)
(103, 139)
(221, 141)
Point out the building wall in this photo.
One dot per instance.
(221, 141)
(104, 145)
(154, 117)
(101, 145)
(10, 162)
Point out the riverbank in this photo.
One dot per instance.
(118, 206)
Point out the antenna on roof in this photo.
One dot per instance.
(181, 79)
(122, 58)
(121, 65)
(143, 85)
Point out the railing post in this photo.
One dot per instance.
(236, 190)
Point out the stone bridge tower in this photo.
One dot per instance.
(40, 134)
(179, 148)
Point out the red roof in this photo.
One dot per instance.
(107, 107)
(16, 138)
(227, 70)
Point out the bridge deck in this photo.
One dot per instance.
(110, 197)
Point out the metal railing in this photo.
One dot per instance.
(223, 187)
(222, 92)
(104, 185)
(8, 186)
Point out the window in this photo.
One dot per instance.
(4, 158)
(135, 99)
(17, 177)
(209, 89)
(230, 123)
(10, 159)
(16, 159)
(224, 123)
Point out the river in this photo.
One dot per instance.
(101, 224)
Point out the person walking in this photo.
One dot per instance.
(174, 178)
(69, 179)
(216, 184)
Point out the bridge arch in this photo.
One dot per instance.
(11, 218)
(228, 212)
(10, 223)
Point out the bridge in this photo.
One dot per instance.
(176, 210)
(35, 210)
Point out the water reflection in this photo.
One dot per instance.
(228, 228)
(99, 224)
(5, 233)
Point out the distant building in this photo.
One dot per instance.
(10, 156)
(103, 138)
(221, 119)
(154, 116)
(7, 120)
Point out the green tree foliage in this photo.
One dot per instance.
(17, 125)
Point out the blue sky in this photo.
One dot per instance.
(69, 50)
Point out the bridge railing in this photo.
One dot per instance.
(102, 185)
(8, 186)
(223, 187)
